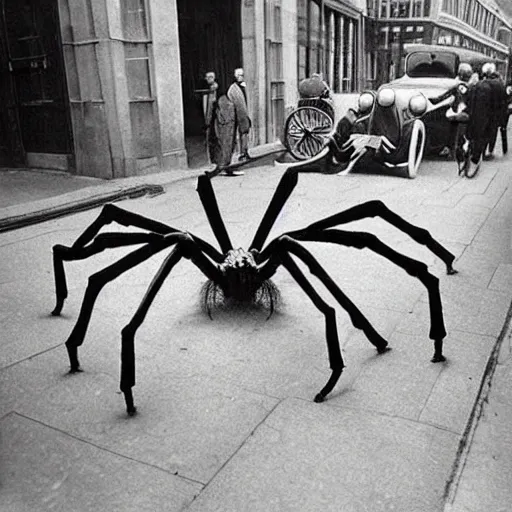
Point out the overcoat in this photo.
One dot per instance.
(236, 94)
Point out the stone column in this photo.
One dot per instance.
(84, 29)
(167, 78)
(253, 53)
(118, 132)
(290, 54)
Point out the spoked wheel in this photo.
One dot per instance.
(306, 131)
(416, 148)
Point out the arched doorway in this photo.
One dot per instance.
(210, 40)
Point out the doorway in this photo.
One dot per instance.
(34, 108)
(210, 37)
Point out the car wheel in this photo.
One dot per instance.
(416, 148)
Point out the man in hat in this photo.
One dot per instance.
(237, 94)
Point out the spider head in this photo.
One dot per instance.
(242, 276)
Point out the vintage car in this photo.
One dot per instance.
(405, 118)
(399, 122)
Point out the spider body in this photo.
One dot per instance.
(243, 276)
(241, 282)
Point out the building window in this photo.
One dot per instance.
(274, 75)
(404, 8)
(310, 49)
(384, 8)
(134, 19)
(136, 49)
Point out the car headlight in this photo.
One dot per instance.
(365, 102)
(386, 97)
(463, 88)
(418, 104)
(509, 90)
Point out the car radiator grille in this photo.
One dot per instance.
(385, 121)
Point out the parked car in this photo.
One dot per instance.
(404, 118)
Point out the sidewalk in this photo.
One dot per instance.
(30, 196)
(226, 419)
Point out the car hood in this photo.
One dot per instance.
(430, 87)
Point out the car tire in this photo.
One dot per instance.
(416, 148)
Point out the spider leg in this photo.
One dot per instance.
(181, 250)
(281, 195)
(379, 209)
(331, 331)
(211, 208)
(286, 243)
(98, 280)
(415, 268)
(109, 213)
(103, 241)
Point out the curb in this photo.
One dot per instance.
(86, 199)
(466, 440)
(36, 217)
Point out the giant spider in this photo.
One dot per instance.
(241, 275)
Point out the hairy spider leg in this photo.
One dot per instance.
(331, 330)
(286, 243)
(377, 208)
(109, 213)
(211, 208)
(98, 280)
(415, 268)
(182, 249)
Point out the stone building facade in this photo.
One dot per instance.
(106, 88)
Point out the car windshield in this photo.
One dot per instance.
(431, 64)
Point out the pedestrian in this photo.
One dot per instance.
(237, 94)
(457, 110)
(209, 102)
(503, 128)
(222, 135)
(481, 120)
(210, 97)
(499, 106)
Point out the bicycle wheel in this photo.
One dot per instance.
(306, 131)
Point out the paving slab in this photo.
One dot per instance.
(19, 186)
(484, 480)
(45, 469)
(186, 424)
(308, 457)
(469, 310)
(451, 400)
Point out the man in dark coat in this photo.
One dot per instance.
(481, 122)
(499, 107)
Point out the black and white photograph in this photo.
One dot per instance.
(255, 256)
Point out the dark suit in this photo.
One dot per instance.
(481, 117)
(499, 109)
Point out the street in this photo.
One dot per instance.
(226, 419)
